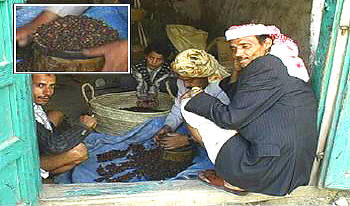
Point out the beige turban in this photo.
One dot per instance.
(195, 63)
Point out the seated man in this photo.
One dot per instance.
(152, 74)
(60, 144)
(195, 68)
(271, 107)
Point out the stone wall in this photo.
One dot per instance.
(214, 16)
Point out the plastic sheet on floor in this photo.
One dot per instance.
(98, 143)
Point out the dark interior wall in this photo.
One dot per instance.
(291, 16)
(215, 16)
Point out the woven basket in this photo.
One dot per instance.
(113, 120)
(184, 154)
(55, 61)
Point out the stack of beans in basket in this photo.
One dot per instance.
(58, 45)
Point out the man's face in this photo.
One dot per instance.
(154, 60)
(194, 82)
(246, 49)
(43, 86)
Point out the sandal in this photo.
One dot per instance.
(210, 178)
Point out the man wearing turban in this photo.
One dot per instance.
(271, 108)
(195, 69)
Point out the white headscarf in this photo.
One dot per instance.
(41, 117)
(283, 47)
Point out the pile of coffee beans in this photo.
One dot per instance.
(141, 163)
(74, 33)
(142, 109)
(111, 155)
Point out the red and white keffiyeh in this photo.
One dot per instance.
(283, 47)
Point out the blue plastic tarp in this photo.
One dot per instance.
(25, 14)
(98, 143)
(115, 17)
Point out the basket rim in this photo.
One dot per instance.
(61, 54)
(95, 98)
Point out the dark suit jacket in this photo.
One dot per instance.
(275, 115)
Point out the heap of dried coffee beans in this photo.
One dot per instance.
(141, 163)
(74, 33)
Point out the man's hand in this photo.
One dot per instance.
(173, 141)
(165, 129)
(88, 121)
(23, 34)
(195, 135)
(56, 117)
(115, 53)
(192, 92)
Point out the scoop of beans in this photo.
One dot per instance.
(74, 33)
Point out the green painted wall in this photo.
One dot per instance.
(19, 163)
(330, 82)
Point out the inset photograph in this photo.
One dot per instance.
(72, 38)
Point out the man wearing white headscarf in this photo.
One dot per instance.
(272, 109)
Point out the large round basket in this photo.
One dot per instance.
(111, 116)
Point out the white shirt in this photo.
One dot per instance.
(41, 117)
(213, 136)
(174, 118)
